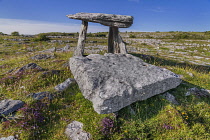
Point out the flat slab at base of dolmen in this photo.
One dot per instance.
(113, 81)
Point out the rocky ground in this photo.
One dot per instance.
(37, 85)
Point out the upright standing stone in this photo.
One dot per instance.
(115, 38)
(81, 41)
(122, 45)
(110, 41)
(118, 44)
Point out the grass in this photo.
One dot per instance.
(154, 118)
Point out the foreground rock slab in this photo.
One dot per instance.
(8, 106)
(74, 131)
(114, 81)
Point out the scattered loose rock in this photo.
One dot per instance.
(50, 72)
(50, 50)
(41, 95)
(42, 56)
(198, 92)
(190, 74)
(29, 66)
(8, 138)
(170, 98)
(114, 81)
(8, 106)
(64, 85)
(64, 49)
(74, 131)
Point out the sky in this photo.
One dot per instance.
(39, 16)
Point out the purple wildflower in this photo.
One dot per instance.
(168, 127)
(107, 126)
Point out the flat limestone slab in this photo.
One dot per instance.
(114, 81)
(112, 20)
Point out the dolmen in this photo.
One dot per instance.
(115, 42)
(116, 79)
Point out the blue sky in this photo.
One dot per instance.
(36, 16)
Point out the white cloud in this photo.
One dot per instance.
(34, 27)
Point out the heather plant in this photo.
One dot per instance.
(33, 116)
(108, 126)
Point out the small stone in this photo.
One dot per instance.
(170, 98)
(198, 92)
(190, 74)
(8, 138)
(42, 56)
(66, 48)
(61, 87)
(188, 93)
(50, 72)
(74, 131)
(41, 95)
(8, 106)
(50, 50)
(30, 66)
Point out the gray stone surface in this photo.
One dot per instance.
(64, 85)
(112, 20)
(8, 106)
(41, 95)
(170, 98)
(29, 66)
(114, 81)
(42, 56)
(74, 131)
(8, 138)
(198, 92)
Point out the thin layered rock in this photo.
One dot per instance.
(112, 20)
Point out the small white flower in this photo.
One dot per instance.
(22, 87)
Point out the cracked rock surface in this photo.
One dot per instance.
(114, 81)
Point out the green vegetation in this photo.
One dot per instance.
(132, 36)
(154, 118)
(15, 33)
(42, 37)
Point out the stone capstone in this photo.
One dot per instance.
(120, 21)
(74, 131)
(114, 81)
(8, 106)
